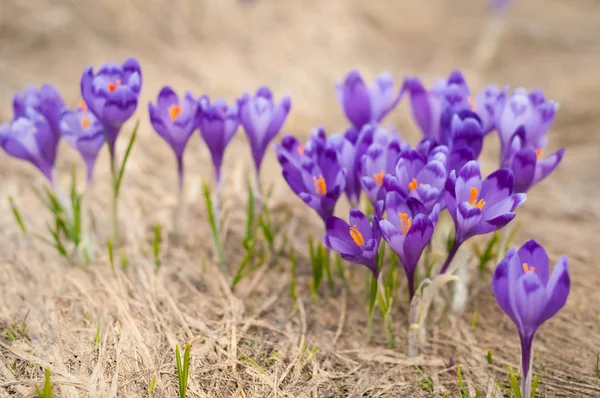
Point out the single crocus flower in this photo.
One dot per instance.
(479, 206)
(218, 122)
(408, 230)
(30, 138)
(417, 177)
(465, 139)
(530, 295)
(526, 161)
(363, 105)
(83, 132)
(356, 242)
(46, 100)
(379, 161)
(111, 94)
(345, 146)
(262, 120)
(318, 182)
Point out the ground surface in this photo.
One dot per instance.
(256, 341)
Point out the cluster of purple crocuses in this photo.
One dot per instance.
(408, 187)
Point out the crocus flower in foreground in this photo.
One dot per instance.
(479, 206)
(46, 100)
(262, 119)
(83, 132)
(112, 94)
(408, 229)
(175, 121)
(31, 138)
(530, 295)
(362, 104)
(379, 161)
(356, 242)
(218, 123)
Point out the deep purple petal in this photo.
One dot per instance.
(557, 289)
(530, 302)
(534, 255)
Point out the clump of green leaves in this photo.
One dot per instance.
(183, 368)
(425, 382)
(46, 390)
(18, 329)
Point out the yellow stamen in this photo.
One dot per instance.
(320, 185)
(405, 223)
(471, 103)
(473, 201)
(357, 236)
(412, 185)
(113, 86)
(538, 153)
(378, 177)
(85, 123)
(174, 111)
(301, 149)
(527, 268)
(83, 105)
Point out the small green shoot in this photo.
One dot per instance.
(514, 383)
(124, 261)
(97, 338)
(293, 293)
(490, 359)
(464, 392)
(156, 246)
(240, 274)
(151, 387)
(319, 256)
(474, 321)
(489, 253)
(183, 369)
(111, 256)
(17, 215)
(425, 382)
(46, 390)
(119, 179)
(210, 210)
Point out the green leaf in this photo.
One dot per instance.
(213, 224)
(293, 277)
(239, 275)
(111, 257)
(151, 387)
(46, 391)
(464, 393)
(156, 245)
(125, 158)
(490, 360)
(183, 369)
(249, 235)
(425, 383)
(514, 383)
(97, 338)
(17, 215)
(124, 261)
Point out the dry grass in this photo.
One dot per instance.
(256, 341)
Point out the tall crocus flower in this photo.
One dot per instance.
(46, 100)
(530, 295)
(30, 138)
(262, 120)
(348, 152)
(418, 177)
(379, 161)
(362, 104)
(112, 94)
(479, 206)
(408, 229)
(218, 122)
(175, 121)
(526, 161)
(83, 132)
(357, 242)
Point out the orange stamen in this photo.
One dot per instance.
(405, 223)
(378, 177)
(113, 86)
(320, 185)
(357, 236)
(83, 105)
(85, 123)
(174, 111)
(471, 103)
(473, 201)
(301, 149)
(412, 185)
(527, 268)
(538, 153)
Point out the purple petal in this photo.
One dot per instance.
(547, 166)
(392, 236)
(355, 100)
(119, 106)
(534, 255)
(501, 286)
(467, 217)
(469, 177)
(530, 301)
(557, 289)
(362, 223)
(417, 238)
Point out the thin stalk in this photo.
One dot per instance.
(451, 254)
(115, 196)
(526, 365)
(178, 214)
(385, 306)
(258, 192)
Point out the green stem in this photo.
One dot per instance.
(178, 214)
(115, 197)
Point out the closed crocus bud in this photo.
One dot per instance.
(218, 122)
(112, 93)
(46, 100)
(530, 295)
(379, 161)
(83, 132)
(363, 105)
(30, 138)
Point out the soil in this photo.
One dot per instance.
(109, 333)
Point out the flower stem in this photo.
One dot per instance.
(526, 365)
(178, 214)
(257, 192)
(115, 197)
(385, 304)
(410, 276)
(451, 254)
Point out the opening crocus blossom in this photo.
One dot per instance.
(363, 105)
(379, 161)
(262, 119)
(46, 100)
(356, 242)
(530, 295)
(83, 132)
(111, 94)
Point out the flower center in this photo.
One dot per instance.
(405, 223)
(538, 153)
(174, 111)
(357, 236)
(527, 268)
(474, 201)
(82, 105)
(471, 103)
(320, 185)
(85, 123)
(378, 177)
(301, 149)
(412, 185)
(113, 86)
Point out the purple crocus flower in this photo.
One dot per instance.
(83, 132)
(175, 121)
(356, 242)
(417, 177)
(218, 122)
(530, 295)
(522, 108)
(526, 161)
(262, 119)
(479, 206)
(348, 154)
(465, 139)
(30, 138)
(112, 94)
(362, 104)
(319, 181)
(379, 161)
(408, 229)
(499, 6)
(46, 100)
